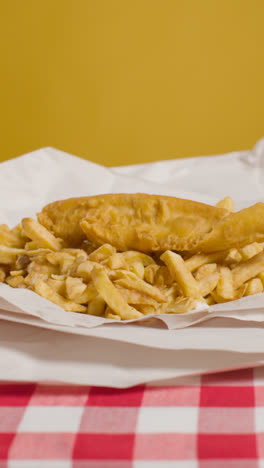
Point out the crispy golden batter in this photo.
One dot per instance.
(236, 230)
(150, 223)
(138, 221)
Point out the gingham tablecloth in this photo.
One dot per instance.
(212, 421)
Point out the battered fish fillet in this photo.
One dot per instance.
(147, 223)
(236, 230)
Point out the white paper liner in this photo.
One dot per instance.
(31, 181)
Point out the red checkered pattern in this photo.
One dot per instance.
(212, 421)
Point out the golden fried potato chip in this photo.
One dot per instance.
(11, 238)
(180, 272)
(254, 286)
(208, 283)
(57, 285)
(163, 277)
(233, 258)
(44, 290)
(116, 261)
(74, 287)
(150, 272)
(247, 270)
(16, 281)
(225, 286)
(227, 203)
(137, 267)
(205, 270)
(109, 313)
(251, 250)
(132, 296)
(96, 306)
(8, 255)
(112, 296)
(197, 260)
(84, 270)
(103, 252)
(140, 285)
(36, 232)
(2, 274)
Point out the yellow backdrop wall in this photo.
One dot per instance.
(121, 82)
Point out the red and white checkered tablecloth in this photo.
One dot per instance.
(212, 421)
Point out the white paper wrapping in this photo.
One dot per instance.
(122, 354)
(31, 181)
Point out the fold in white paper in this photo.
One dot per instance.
(31, 181)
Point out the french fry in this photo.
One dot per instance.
(66, 265)
(116, 261)
(209, 300)
(17, 272)
(132, 255)
(132, 296)
(150, 272)
(178, 306)
(88, 295)
(11, 238)
(77, 253)
(44, 290)
(57, 285)
(251, 250)
(103, 252)
(172, 292)
(96, 306)
(112, 296)
(196, 261)
(254, 286)
(32, 245)
(74, 288)
(8, 255)
(2, 274)
(237, 294)
(227, 203)
(233, 258)
(58, 277)
(16, 281)
(142, 286)
(22, 261)
(56, 258)
(261, 276)
(205, 270)
(163, 277)
(247, 270)
(208, 283)
(109, 313)
(137, 267)
(225, 286)
(84, 270)
(40, 264)
(36, 232)
(146, 309)
(35, 276)
(180, 272)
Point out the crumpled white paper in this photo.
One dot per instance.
(115, 354)
(29, 182)
(33, 354)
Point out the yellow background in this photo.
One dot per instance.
(127, 81)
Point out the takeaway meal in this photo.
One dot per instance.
(124, 256)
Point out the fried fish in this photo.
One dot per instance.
(147, 223)
(150, 223)
(236, 230)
